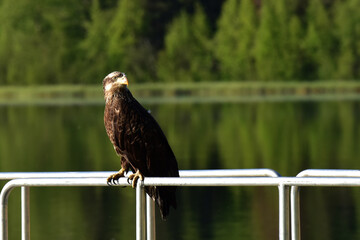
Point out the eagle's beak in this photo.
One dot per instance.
(122, 80)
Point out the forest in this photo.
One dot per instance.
(79, 42)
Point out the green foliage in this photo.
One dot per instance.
(319, 42)
(234, 40)
(81, 41)
(93, 48)
(115, 42)
(124, 35)
(277, 45)
(36, 40)
(347, 25)
(187, 55)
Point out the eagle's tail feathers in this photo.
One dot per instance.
(164, 198)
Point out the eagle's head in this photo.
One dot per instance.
(113, 81)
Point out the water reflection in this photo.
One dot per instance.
(287, 137)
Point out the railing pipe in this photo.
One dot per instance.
(262, 172)
(150, 219)
(4, 197)
(295, 213)
(193, 181)
(19, 175)
(323, 174)
(140, 211)
(25, 213)
(252, 181)
(190, 181)
(329, 173)
(150, 205)
(186, 181)
(284, 212)
(249, 177)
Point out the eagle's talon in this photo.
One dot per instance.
(113, 179)
(134, 177)
(110, 182)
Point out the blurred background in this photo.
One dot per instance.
(233, 84)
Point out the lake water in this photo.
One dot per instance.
(286, 137)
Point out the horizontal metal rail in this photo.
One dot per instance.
(17, 175)
(81, 182)
(190, 181)
(327, 175)
(257, 172)
(261, 172)
(150, 214)
(145, 224)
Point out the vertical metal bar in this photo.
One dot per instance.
(4, 197)
(25, 213)
(295, 216)
(150, 219)
(284, 212)
(140, 211)
(4, 217)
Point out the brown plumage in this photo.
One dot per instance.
(138, 140)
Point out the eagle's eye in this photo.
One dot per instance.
(121, 75)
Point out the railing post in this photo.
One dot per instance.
(140, 211)
(3, 216)
(284, 212)
(150, 219)
(4, 199)
(295, 216)
(25, 213)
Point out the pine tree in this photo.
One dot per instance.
(347, 25)
(234, 40)
(202, 59)
(319, 42)
(266, 45)
(187, 53)
(93, 47)
(226, 40)
(294, 53)
(124, 30)
(277, 45)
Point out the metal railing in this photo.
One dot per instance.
(145, 215)
(145, 221)
(320, 173)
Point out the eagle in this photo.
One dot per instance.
(138, 140)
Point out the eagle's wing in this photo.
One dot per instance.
(144, 143)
